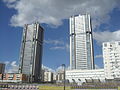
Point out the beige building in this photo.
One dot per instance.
(47, 76)
(60, 76)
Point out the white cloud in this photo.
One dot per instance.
(54, 42)
(11, 67)
(98, 56)
(6, 62)
(47, 68)
(54, 11)
(106, 36)
(13, 64)
(59, 69)
(62, 47)
(67, 47)
(57, 47)
(97, 67)
(57, 44)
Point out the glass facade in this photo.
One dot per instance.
(31, 51)
(81, 48)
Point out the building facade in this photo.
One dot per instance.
(48, 76)
(111, 56)
(80, 76)
(60, 77)
(2, 68)
(31, 51)
(81, 43)
(13, 77)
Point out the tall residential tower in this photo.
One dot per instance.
(81, 43)
(31, 51)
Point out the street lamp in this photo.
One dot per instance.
(63, 65)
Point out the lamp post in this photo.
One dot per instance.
(63, 65)
(2, 76)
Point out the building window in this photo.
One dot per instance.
(110, 45)
(118, 43)
(105, 45)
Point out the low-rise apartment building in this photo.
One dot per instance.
(13, 77)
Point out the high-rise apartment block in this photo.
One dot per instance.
(81, 43)
(2, 68)
(111, 56)
(31, 51)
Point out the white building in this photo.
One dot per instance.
(81, 43)
(111, 56)
(48, 76)
(80, 76)
(60, 77)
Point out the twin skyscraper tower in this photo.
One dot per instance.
(31, 52)
(81, 43)
(81, 47)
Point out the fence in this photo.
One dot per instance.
(18, 87)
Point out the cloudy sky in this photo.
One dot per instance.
(54, 18)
